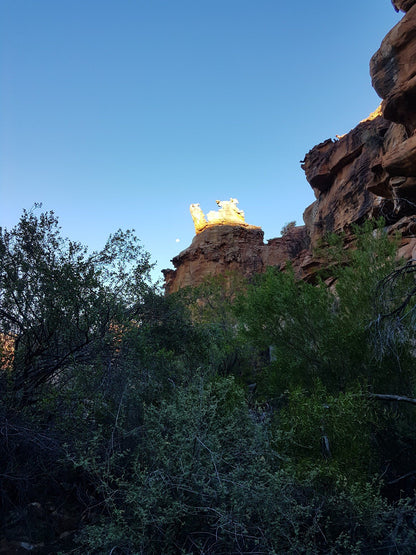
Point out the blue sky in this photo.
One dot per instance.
(121, 113)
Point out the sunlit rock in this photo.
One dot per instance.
(228, 214)
(366, 173)
(225, 244)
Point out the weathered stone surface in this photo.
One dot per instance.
(393, 72)
(401, 160)
(231, 248)
(215, 251)
(292, 246)
(339, 173)
(380, 184)
(403, 5)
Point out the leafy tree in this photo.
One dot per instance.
(211, 309)
(124, 406)
(58, 303)
(330, 435)
(320, 332)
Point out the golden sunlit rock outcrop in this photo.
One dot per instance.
(366, 173)
(228, 214)
(377, 113)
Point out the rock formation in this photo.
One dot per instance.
(368, 172)
(224, 245)
(339, 173)
(393, 74)
(228, 214)
(403, 5)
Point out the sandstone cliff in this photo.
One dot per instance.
(339, 173)
(369, 172)
(232, 248)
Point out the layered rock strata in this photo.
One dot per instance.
(393, 75)
(339, 173)
(223, 249)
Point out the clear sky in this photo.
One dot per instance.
(121, 113)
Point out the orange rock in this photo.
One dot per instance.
(222, 249)
(340, 173)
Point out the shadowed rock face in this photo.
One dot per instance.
(403, 5)
(231, 248)
(393, 74)
(369, 172)
(339, 172)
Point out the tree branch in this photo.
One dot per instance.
(382, 397)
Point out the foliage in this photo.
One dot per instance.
(318, 333)
(130, 412)
(324, 355)
(204, 479)
(330, 434)
(57, 302)
(211, 310)
(287, 227)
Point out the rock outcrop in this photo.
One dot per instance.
(369, 172)
(339, 173)
(224, 248)
(214, 251)
(403, 5)
(228, 214)
(393, 74)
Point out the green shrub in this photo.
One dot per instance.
(204, 479)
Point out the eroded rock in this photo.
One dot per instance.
(223, 249)
(393, 72)
(340, 173)
(403, 5)
(228, 214)
(368, 172)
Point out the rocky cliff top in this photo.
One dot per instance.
(368, 172)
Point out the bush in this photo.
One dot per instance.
(204, 479)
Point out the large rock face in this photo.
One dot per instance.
(216, 250)
(369, 172)
(340, 172)
(392, 70)
(393, 74)
(232, 248)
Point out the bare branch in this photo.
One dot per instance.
(383, 397)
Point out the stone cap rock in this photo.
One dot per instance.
(228, 214)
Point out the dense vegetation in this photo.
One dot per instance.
(268, 417)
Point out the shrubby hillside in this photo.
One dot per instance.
(263, 416)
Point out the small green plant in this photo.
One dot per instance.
(287, 227)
